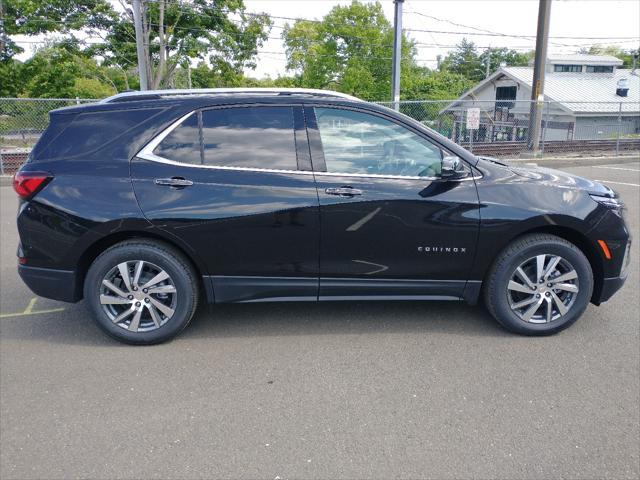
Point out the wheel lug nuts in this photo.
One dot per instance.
(548, 294)
(537, 295)
(145, 290)
(535, 287)
(135, 289)
(549, 285)
(130, 297)
(146, 300)
(138, 304)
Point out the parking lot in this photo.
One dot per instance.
(333, 390)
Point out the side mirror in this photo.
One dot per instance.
(453, 168)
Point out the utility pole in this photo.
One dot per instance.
(142, 58)
(537, 89)
(488, 66)
(397, 54)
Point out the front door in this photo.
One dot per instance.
(390, 225)
(234, 184)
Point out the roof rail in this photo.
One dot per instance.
(147, 94)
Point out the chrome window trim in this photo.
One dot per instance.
(148, 149)
(146, 153)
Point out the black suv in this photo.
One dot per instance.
(148, 202)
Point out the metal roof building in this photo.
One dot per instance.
(586, 97)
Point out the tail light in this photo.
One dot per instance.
(27, 184)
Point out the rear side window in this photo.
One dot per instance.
(183, 143)
(249, 137)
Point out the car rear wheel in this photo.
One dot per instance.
(141, 292)
(539, 285)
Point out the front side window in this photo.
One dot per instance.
(360, 143)
(249, 137)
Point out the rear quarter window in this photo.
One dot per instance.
(90, 131)
(183, 142)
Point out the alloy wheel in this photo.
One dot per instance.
(543, 288)
(138, 296)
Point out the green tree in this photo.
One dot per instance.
(62, 70)
(35, 17)
(625, 55)
(511, 58)
(219, 32)
(10, 78)
(349, 50)
(437, 85)
(464, 60)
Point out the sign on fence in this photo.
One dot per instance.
(473, 118)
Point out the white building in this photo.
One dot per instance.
(585, 97)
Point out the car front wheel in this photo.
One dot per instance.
(141, 292)
(539, 285)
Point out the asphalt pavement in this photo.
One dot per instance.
(332, 390)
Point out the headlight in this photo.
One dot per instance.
(609, 202)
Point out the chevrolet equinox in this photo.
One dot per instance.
(147, 203)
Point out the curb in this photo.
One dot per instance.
(564, 162)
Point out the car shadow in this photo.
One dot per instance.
(74, 325)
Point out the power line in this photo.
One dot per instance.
(484, 32)
(312, 20)
(479, 32)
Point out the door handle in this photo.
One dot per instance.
(343, 191)
(174, 182)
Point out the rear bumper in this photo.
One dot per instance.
(50, 283)
(609, 287)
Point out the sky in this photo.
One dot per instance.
(576, 18)
(569, 18)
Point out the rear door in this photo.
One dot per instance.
(390, 225)
(234, 184)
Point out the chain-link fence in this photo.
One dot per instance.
(501, 127)
(22, 121)
(497, 128)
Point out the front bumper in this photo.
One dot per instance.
(50, 283)
(609, 287)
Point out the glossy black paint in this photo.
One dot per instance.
(256, 235)
(243, 223)
(392, 227)
(518, 200)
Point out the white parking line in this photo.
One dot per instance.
(618, 168)
(618, 183)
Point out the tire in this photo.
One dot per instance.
(159, 300)
(561, 299)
